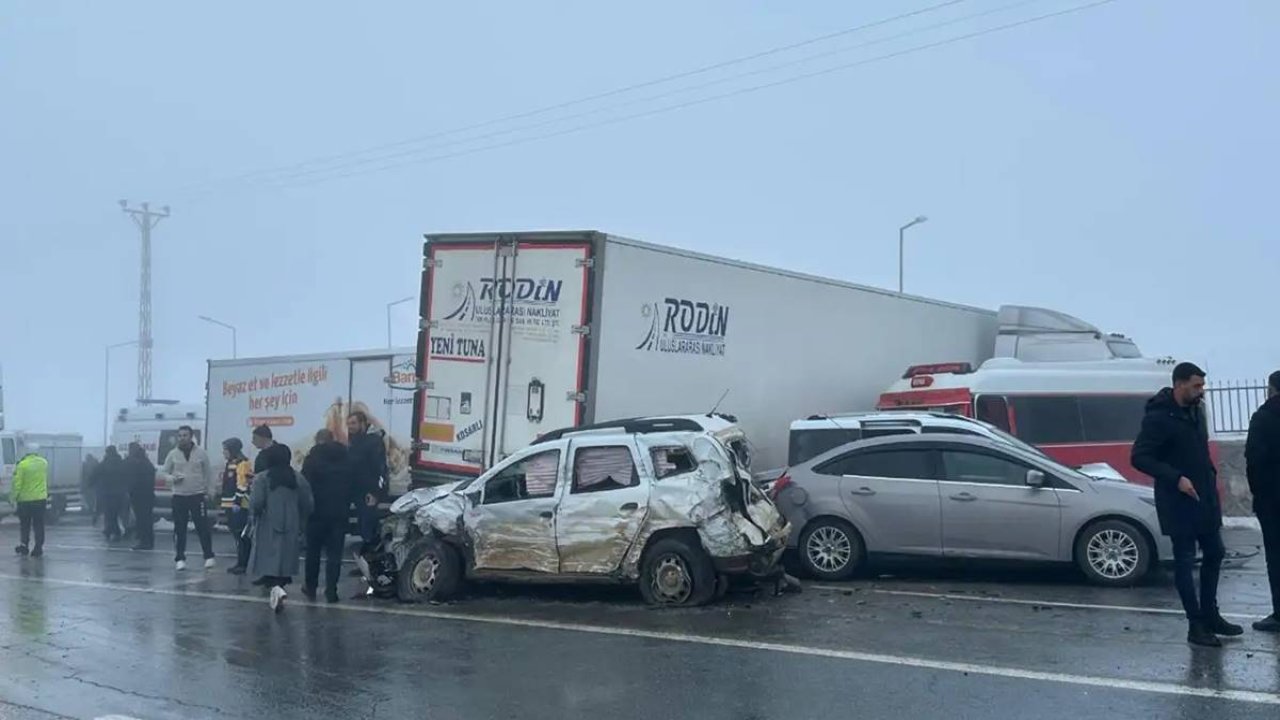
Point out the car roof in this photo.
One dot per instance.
(976, 441)
(852, 421)
(644, 426)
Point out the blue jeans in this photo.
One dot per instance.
(1205, 604)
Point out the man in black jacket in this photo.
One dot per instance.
(1262, 465)
(327, 471)
(368, 456)
(1173, 448)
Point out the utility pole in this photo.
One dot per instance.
(902, 244)
(146, 219)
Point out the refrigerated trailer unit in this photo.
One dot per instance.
(296, 395)
(524, 333)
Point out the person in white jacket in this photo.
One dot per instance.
(189, 471)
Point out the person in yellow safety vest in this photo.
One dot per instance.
(29, 494)
(235, 499)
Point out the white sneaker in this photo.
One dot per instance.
(277, 598)
(210, 564)
(182, 565)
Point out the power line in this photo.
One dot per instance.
(569, 103)
(701, 101)
(287, 177)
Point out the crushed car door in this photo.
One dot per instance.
(603, 507)
(513, 527)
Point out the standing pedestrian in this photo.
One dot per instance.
(29, 493)
(262, 440)
(1173, 448)
(1262, 465)
(112, 485)
(329, 476)
(368, 457)
(142, 495)
(235, 499)
(87, 494)
(187, 468)
(280, 503)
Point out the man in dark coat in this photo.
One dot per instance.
(368, 457)
(1262, 465)
(327, 471)
(1173, 448)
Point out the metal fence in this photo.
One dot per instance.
(1232, 403)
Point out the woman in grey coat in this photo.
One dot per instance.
(279, 503)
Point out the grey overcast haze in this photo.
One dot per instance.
(1117, 163)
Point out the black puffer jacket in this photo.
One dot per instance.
(368, 457)
(328, 471)
(1262, 455)
(1174, 443)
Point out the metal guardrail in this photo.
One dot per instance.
(1232, 403)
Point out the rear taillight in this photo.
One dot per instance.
(779, 485)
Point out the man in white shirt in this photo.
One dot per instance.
(188, 469)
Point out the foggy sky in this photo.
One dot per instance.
(1116, 164)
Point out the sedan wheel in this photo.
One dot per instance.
(1113, 552)
(830, 549)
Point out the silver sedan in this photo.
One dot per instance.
(959, 496)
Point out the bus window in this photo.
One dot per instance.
(1047, 420)
(10, 452)
(993, 409)
(1112, 418)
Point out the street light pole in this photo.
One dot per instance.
(902, 242)
(219, 323)
(389, 306)
(106, 387)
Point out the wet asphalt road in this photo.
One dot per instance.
(89, 632)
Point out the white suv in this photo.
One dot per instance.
(817, 434)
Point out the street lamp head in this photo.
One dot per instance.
(921, 218)
(124, 204)
(205, 318)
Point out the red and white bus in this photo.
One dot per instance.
(1077, 412)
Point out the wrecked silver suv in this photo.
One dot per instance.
(673, 511)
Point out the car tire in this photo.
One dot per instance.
(430, 572)
(676, 572)
(830, 549)
(1113, 553)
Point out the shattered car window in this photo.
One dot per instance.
(670, 461)
(533, 477)
(603, 468)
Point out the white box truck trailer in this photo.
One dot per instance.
(524, 333)
(297, 395)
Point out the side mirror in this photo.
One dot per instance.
(474, 498)
(1035, 479)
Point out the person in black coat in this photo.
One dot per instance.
(113, 491)
(1173, 448)
(141, 476)
(1262, 465)
(327, 469)
(368, 458)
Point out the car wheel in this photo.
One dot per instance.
(830, 549)
(431, 571)
(1113, 553)
(676, 573)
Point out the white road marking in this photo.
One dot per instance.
(1145, 686)
(157, 551)
(1024, 601)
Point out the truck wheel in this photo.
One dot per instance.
(676, 573)
(830, 549)
(57, 508)
(1113, 553)
(430, 572)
